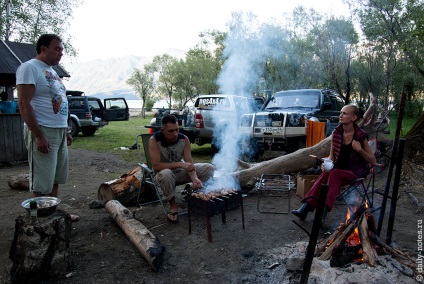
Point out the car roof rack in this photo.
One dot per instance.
(74, 93)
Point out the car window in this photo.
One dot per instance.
(309, 99)
(242, 104)
(115, 104)
(212, 102)
(335, 104)
(76, 104)
(94, 104)
(327, 100)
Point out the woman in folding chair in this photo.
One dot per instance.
(170, 155)
(351, 156)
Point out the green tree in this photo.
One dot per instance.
(165, 66)
(395, 29)
(143, 83)
(26, 20)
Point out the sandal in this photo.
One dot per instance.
(172, 217)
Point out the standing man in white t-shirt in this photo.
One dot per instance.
(44, 108)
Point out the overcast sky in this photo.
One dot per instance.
(109, 29)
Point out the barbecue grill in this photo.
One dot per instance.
(210, 203)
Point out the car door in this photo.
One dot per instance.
(116, 109)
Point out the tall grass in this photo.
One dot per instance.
(117, 134)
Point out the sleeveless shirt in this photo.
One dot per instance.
(170, 152)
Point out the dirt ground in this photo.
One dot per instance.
(102, 253)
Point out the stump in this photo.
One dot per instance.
(40, 251)
(20, 182)
(126, 188)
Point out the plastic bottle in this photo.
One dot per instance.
(33, 211)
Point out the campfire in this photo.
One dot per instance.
(356, 241)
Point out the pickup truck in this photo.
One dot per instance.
(213, 113)
(209, 117)
(281, 123)
(88, 113)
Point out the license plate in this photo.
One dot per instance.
(272, 130)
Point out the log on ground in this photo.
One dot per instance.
(286, 164)
(147, 244)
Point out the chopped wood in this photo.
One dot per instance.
(372, 226)
(369, 254)
(146, 243)
(329, 240)
(341, 239)
(402, 258)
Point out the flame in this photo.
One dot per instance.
(354, 239)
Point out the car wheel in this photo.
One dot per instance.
(88, 131)
(74, 128)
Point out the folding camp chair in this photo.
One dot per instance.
(365, 186)
(147, 173)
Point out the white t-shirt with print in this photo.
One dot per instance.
(49, 101)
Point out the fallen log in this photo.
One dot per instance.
(286, 164)
(147, 244)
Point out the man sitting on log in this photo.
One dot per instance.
(351, 155)
(170, 155)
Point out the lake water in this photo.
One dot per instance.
(134, 103)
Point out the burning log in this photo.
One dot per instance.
(340, 240)
(147, 244)
(356, 240)
(368, 252)
(342, 233)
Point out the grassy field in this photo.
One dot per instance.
(123, 134)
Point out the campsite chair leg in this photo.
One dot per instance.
(147, 173)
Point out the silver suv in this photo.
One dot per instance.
(282, 121)
(214, 113)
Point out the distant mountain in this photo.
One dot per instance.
(105, 78)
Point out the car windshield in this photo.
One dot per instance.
(296, 99)
(241, 103)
